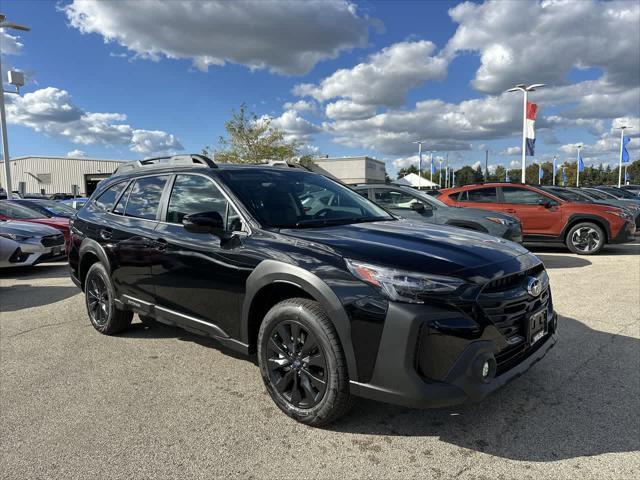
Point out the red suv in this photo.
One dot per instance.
(584, 227)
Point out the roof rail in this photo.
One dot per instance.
(287, 164)
(193, 159)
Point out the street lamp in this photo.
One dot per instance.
(3, 119)
(419, 142)
(525, 89)
(622, 129)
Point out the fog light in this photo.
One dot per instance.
(486, 368)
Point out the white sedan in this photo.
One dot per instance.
(26, 243)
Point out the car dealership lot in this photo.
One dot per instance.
(162, 403)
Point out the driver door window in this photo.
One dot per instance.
(197, 194)
(523, 196)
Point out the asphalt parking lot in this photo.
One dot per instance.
(161, 403)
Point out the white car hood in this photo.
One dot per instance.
(27, 228)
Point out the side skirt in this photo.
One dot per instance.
(186, 322)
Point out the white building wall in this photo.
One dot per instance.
(353, 170)
(57, 174)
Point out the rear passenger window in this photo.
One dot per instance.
(482, 195)
(106, 199)
(522, 196)
(144, 198)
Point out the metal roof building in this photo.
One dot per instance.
(48, 175)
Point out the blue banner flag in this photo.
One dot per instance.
(580, 163)
(540, 172)
(433, 168)
(625, 153)
(506, 176)
(554, 167)
(564, 177)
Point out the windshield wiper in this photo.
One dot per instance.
(319, 222)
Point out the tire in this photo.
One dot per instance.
(100, 300)
(585, 238)
(313, 365)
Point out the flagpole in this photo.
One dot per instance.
(524, 137)
(431, 169)
(446, 180)
(440, 173)
(622, 128)
(553, 179)
(578, 167)
(625, 174)
(419, 165)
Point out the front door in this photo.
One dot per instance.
(538, 213)
(201, 275)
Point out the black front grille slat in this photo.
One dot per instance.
(52, 240)
(507, 304)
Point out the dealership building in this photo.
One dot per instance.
(353, 170)
(48, 175)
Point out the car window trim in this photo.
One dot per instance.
(246, 229)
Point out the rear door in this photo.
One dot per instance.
(200, 275)
(129, 233)
(538, 213)
(482, 197)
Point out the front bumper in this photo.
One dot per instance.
(626, 234)
(397, 378)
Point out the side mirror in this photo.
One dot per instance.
(204, 222)
(546, 203)
(418, 207)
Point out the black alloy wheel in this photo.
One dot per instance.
(98, 301)
(101, 306)
(297, 365)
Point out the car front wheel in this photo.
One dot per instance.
(585, 238)
(302, 362)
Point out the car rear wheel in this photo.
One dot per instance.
(302, 362)
(100, 301)
(585, 238)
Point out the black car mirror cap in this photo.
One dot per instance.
(204, 222)
(418, 206)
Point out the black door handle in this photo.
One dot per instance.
(160, 244)
(105, 233)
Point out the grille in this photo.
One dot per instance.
(508, 305)
(52, 240)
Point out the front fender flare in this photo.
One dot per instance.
(272, 271)
(91, 246)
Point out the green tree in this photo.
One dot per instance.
(465, 175)
(403, 172)
(478, 176)
(251, 139)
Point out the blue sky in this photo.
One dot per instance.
(170, 73)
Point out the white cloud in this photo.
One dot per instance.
(543, 41)
(76, 153)
(288, 38)
(9, 44)
(294, 126)
(515, 164)
(512, 151)
(301, 106)
(51, 111)
(384, 79)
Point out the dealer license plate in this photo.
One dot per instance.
(537, 326)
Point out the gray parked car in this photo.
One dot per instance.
(26, 243)
(416, 205)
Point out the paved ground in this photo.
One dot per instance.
(161, 403)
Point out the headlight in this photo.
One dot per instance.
(15, 237)
(619, 213)
(501, 221)
(400, 285)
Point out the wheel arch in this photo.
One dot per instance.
(469, 225)
(579, 218)
(90, 252)
(271, 279)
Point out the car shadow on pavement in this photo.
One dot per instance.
(18, 297)
(563, 261)
(42, 271)
(581, 400)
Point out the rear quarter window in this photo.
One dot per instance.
(106, 199)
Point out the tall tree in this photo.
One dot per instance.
(251, 139)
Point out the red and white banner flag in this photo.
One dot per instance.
(532, 110)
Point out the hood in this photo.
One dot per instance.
(27, 228)
(421, 247)
(58, 222)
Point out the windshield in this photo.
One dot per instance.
(294, 199)
(599, 194)
(13, 210)
(621, 192)
(566, 194)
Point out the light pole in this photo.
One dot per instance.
(525, 89)
(431, 170)
(622, 129)
(3, 118)
(419, 142)
(553, 177)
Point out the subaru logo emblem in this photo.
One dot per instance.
(534, 287)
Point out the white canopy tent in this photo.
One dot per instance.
(414, 180)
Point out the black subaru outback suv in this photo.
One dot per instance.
(337, 301)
